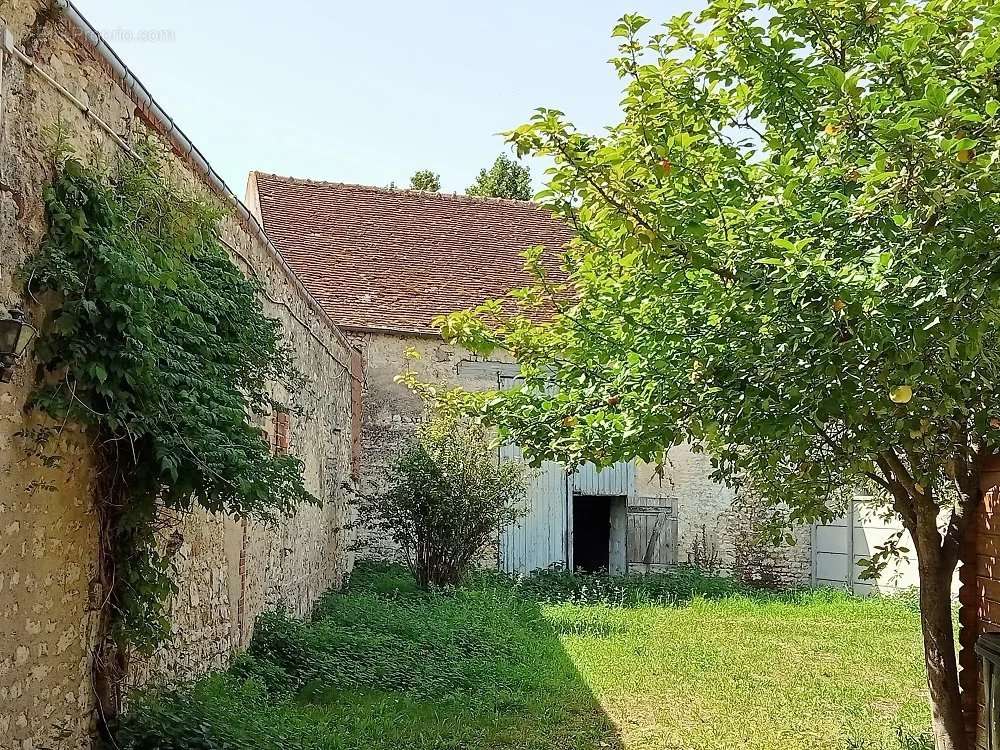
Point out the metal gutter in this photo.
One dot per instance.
(144, 100)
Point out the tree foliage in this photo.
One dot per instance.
(425, 179)
(157, 344)
(507, 178)
(786, 254)
(447, 498)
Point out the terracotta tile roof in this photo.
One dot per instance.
(394, 259)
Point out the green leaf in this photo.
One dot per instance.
(836, 76)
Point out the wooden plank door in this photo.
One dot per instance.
(651, 543)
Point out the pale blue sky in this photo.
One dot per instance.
(368, 91)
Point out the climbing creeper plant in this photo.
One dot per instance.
(158, 345)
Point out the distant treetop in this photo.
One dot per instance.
(425, 179)
(507, 178)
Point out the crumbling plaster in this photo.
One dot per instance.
(711, 529)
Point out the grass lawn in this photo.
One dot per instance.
(669, 662)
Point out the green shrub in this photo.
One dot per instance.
(386, 665)
(447, 497)
(219, 713)
(378, 578)
(427, 645)
(262, 670)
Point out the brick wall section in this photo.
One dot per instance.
(282, 432)
(979, 596)
(228, 572)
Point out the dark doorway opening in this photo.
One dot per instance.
(591, 533)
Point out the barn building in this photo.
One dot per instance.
(384, 263)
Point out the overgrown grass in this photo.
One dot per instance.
(678, 661)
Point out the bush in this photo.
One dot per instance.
(448, 497)
(384, 665)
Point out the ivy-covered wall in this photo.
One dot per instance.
(228, 571)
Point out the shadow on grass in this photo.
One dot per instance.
(384, 665)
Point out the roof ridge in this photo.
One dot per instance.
(396, 191)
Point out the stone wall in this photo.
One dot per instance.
(228, 571)
(719, 529)
(685, 485)
(391, 414)
(757, 562)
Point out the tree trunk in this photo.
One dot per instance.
(109, 663)
(947, 720)
(938, 555)
(110, 669)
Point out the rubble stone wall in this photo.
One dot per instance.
(227, 571)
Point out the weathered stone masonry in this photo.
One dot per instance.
(391, 414)
(228, 571)
(385, 263)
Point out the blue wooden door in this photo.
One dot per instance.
(539, 538)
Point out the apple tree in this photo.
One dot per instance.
(786, 254)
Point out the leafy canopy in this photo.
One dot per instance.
(505, 179)
(158, 344)
(786, 253)
(425, 179)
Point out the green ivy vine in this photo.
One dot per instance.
(158, 345)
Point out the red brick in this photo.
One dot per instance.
(282, 433)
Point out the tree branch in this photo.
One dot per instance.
(902, 501)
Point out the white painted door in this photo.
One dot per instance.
(857, 535)
(539, 538)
